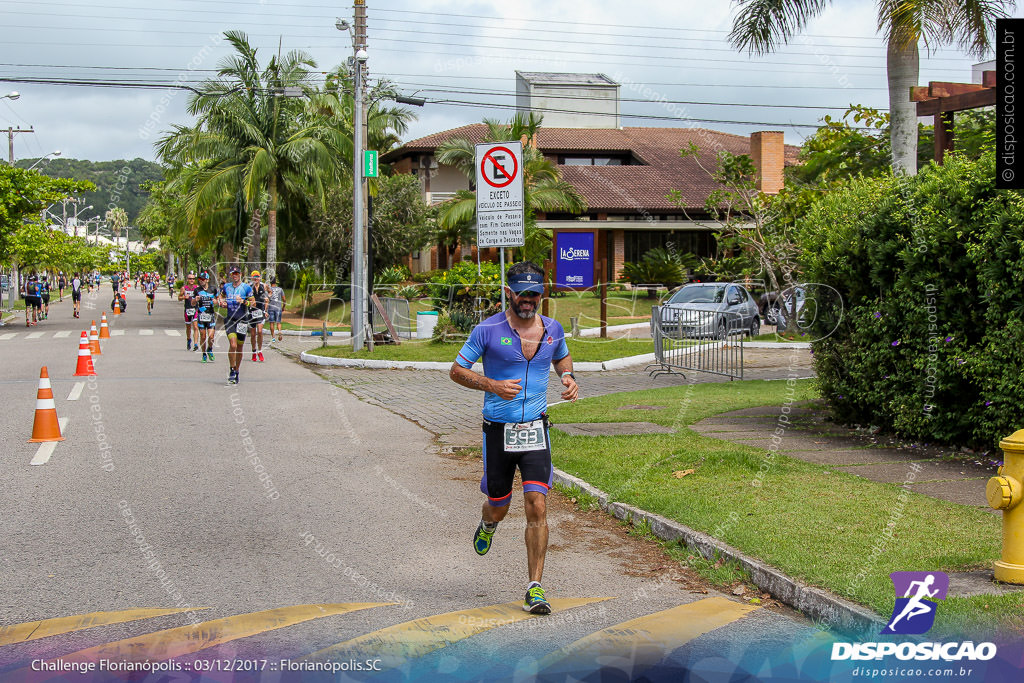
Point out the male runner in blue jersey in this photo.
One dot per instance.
(237, 297)
(518, 347)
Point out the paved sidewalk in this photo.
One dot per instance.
(943, 473)
(432, 400)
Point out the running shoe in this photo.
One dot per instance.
(260, 354)
(232, 378)
(204, 358)
(188, 345)
(211, 356)
(482, 539)
(535, 602)
(254, 357)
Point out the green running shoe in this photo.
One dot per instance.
(211, 356)
(482, 539)
(204, 358)
(535, 602)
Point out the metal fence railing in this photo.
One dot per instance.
(697, 341)
(398, 311)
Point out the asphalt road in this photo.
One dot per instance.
(155, 501)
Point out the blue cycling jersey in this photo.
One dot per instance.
(236, 297)
(502, 352)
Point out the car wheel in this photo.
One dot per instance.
(755, 328)
(772, 314)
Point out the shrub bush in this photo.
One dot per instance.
(931, 270)
(460, 286)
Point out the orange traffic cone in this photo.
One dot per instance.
(45, 427)
(117, 307)
(104, 329)
(94, 341)
(85, 367)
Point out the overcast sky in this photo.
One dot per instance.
(441, 49)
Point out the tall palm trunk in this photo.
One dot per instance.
(252, 254)
(903, 67)
(272, 225)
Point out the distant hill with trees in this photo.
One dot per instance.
(120, 177)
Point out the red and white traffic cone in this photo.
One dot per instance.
(117, 307)
(85, 367)
(94, 341)
(45, 427)
(104, 329)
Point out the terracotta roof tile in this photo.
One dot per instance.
(624, 188)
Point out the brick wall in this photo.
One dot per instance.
(618, 250)
(767, 150)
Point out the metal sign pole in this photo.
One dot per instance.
(502, 252)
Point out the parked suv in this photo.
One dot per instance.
(774, 307)
(711, 309)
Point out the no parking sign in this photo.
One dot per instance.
(499, 194)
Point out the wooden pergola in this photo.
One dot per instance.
(941, 100)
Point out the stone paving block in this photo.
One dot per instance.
(898, 472)
(971, 492)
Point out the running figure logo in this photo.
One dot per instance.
(916, 593)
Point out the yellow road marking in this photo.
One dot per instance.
(401, 642)
(645, 641)
(33, 630)
(176, 642)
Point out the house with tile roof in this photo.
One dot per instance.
(625, 174)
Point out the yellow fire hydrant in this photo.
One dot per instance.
(1004, 492)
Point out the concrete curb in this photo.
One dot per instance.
(369, 363)
(816, 603)
(596, 331)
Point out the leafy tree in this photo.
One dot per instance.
(543, 188)
(762, 25)
(658, 266)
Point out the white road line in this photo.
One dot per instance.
(116, 333)
(172, 333)
(62, 334)
(35, 335)
(76, 391)
(9, 335)
(46, 449)
(145, 333)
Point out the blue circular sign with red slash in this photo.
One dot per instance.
(499, 167)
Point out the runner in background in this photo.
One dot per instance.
(275, 306)
(149, 286)
(62, 282)
(203, 298)
(32, 299)
(44, 295)
(257, 315)
(76, 295)
(187, 292)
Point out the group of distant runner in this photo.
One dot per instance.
(37, 294)
(248, 307)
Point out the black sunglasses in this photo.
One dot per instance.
(528, 295)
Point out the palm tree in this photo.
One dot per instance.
(762, 25)
(251, 142)
(117, 218)
(543, 188)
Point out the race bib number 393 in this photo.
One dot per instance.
(528, 436)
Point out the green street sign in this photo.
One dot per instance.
(370, 164)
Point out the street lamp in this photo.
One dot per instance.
(55, 153)
(13, 95)
(75, 219)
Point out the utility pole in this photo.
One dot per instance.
(10, 140)
(359, 295)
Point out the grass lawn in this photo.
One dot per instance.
(591, 350)
(290, 326)
(772, 337)
(812, 523)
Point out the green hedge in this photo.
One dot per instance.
(931, 269)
